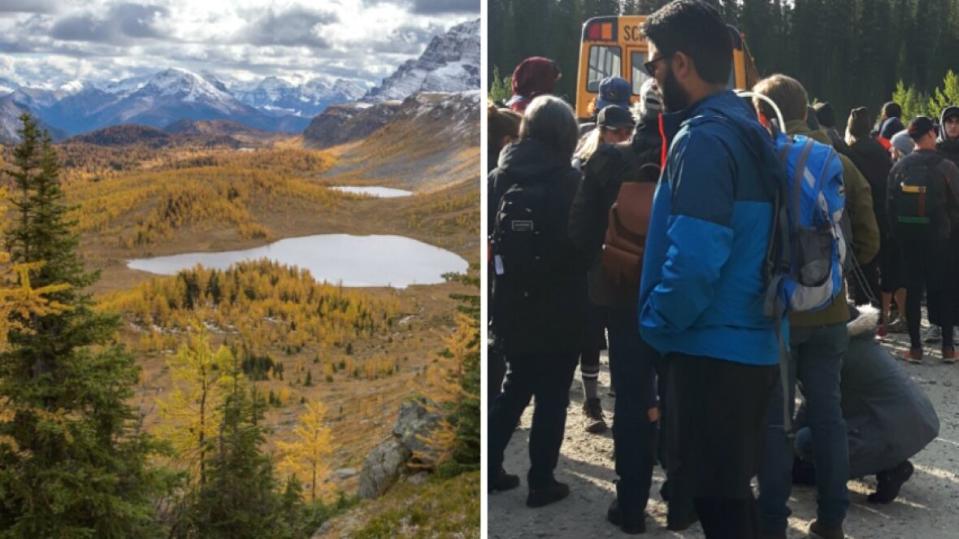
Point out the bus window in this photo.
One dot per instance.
(604, 61)
(636, 60)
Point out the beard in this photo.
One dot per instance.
(674, 97)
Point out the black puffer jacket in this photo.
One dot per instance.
(874, 163)
(949, 149)
(603, 174)
(552, 319)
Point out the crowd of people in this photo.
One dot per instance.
(673, 223)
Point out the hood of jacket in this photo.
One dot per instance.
(951, 110)
(726, 105)
(863, 321)
(530, 159)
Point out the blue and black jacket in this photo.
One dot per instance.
(702, 285)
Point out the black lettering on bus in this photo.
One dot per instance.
(633, 32)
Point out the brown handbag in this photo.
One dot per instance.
(625, 243)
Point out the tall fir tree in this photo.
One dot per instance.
(239, 499)
(73, 460)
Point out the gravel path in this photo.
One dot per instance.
(927, 508)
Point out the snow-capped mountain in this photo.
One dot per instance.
(451, 63)
(157, 100)
(279, 96)
(10, 112)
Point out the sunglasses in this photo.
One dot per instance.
(650, 66)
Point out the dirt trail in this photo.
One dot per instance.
(927, 508)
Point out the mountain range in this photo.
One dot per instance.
(450, 63)
(167, 96)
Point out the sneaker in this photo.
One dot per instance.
(547, 494)
(897, 326)
(595, 422)
(948, 354)
(503, 481)
(914, 355)
(819, 531)
(635, 526)
(889, 483)
(933, 334)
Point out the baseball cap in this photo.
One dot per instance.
(613, 91)
(919, 126)
(615, 117)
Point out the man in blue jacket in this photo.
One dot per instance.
(701, 296)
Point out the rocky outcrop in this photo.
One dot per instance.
(384, 465)
(450, 63)
(426, 115)
(414, 423)
(340, 124)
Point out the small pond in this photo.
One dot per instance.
(395, 261)
(373, 191)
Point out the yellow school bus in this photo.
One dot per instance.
(616, 46)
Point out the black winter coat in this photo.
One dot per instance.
(553, 321)
(874, 162)
(949, 149)
(603, 174)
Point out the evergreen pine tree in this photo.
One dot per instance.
(238, 499)
(72, 456)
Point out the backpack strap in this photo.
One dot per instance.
(798, 177)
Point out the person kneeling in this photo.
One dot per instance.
(889, 419)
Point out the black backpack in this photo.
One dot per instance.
(524, 241)
(520, 232)
(917, 192)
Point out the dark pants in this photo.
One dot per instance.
(679, 504)
(632, 368)
(928, 266)
(816, 361)
(548, 378)
(594, 343)
(865, 286)
(496, 367)
(715, 419)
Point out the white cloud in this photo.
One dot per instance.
(51, 42)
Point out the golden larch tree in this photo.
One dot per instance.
(202, 378)
(307, 456)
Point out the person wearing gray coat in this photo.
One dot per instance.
(888, 417)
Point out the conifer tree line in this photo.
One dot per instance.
(848, 52)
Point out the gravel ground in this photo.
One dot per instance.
(927, 507)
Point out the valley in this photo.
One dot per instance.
(139, 199)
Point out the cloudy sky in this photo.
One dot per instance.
(52, 42)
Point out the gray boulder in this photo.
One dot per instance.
(415, 423)
(387, 461)
(381, 468)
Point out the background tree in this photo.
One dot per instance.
(18, 298)
(238, 498)
(202, 378)
(307, 456)
(455, 387)
(848, 52)
(73, 460)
